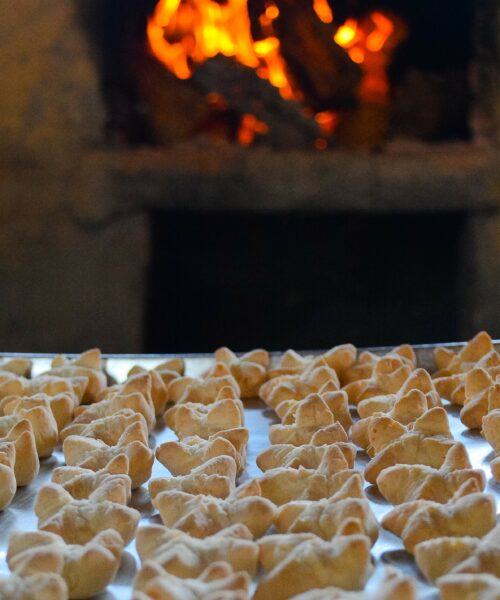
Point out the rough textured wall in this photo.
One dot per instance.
(68, 279)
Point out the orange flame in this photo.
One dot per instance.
(182, 33)
(323, 10)
(369, 43)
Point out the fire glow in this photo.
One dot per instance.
(184, 33)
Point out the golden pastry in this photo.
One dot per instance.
(394, 586)
(314, 379)
(414, 522)
(482, 394)
(339, 358)
(202, 516)
(109, 483)
(161, 377)
(414, 449)
(326, 517)
(216, 477)
(135, 401)
(42, 422)
(88, 364)
(405, 483)
(469, 587)
(27, 464)
(8, 485)
(78, 521)
(61, 405)
(204, 390)
(307, 456)
(217, 581)
(42, 586)
(415, 396)
(91, 453)
(182, 457)
(376, 432)
(317, 563)
(187, 556)
(205, 420)
(312, 419)
(285, 484)
(249, 370)
(86, 569)
(336, 401)
(389, 375)
(444, 555)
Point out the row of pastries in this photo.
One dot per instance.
(305, 526)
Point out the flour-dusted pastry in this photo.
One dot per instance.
(314, 423)
(17, 385)
(205, 420)
(42, 586)
(216, 477)
(414, 522)
(339, 358)
(87, 569)
(135, 401)
(412, 448)
(108, 429)
(8, 485)
(389, 375)
(316, 378)
(181, 457)
(91, 453)
(78, 521)
(327, 517)
(405, 483)
(365, 363)
(61, 405)
(394, 586)
(316, 564)
(203, 390)
(448, 362)
(307, 456)
(491, 432)
(187, 556)
(249, 369)
(416, 395)
(276, 547)
(469, 587)
(26, 464)
(444, 555)
(88, 364)
(216, 582)
(337, 401)
(202, 516)
(161, 377)
(284, 484)
(109, 483)
(42, 422)
(478, 353)
(376, 432)
(482, 394)
(17, 366)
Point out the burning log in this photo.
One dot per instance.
(325, 73)
(245, 92)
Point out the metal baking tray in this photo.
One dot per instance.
(388, 548)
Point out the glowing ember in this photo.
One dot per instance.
(184, 33)
(250, 126)
(323, 10)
